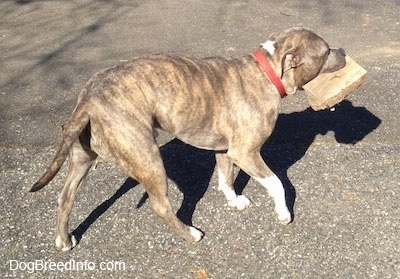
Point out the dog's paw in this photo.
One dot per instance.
(68, 245)
(196, 234)
(240, 202)
(284, 216)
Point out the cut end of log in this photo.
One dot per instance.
(327, 90)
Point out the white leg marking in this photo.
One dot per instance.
(277, 192)
(239, 202)
(196, 234)
(223, 186)
(60, 245)
(269, 46)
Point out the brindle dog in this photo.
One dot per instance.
(226, 105)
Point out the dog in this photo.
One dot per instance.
(226, 105)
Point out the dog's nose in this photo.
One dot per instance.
(342, 52)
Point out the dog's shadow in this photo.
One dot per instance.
(191, 168)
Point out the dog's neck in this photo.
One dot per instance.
(267, 68)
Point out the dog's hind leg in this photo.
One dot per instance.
(137, 152)
(80, 161)
(225, 182)
(155, 184)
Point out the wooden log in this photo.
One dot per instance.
(329, 89)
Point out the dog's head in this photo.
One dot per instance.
(300, 55)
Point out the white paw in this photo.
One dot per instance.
(240, 202)
(196, 234)
(284, 215)
(66, 246)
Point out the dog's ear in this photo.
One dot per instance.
(290, 61)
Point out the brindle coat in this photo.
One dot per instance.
(226, 105)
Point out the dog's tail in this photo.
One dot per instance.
(71, 131)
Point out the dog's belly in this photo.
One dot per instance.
(202, 125)
(198, 128)
(204, 140)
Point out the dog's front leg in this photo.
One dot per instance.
(225, 182)
(252, 163)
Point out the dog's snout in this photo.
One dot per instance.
(338, 51)
(335, 61)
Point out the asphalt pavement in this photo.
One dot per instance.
(340, 168)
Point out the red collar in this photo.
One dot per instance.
(266, 66)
